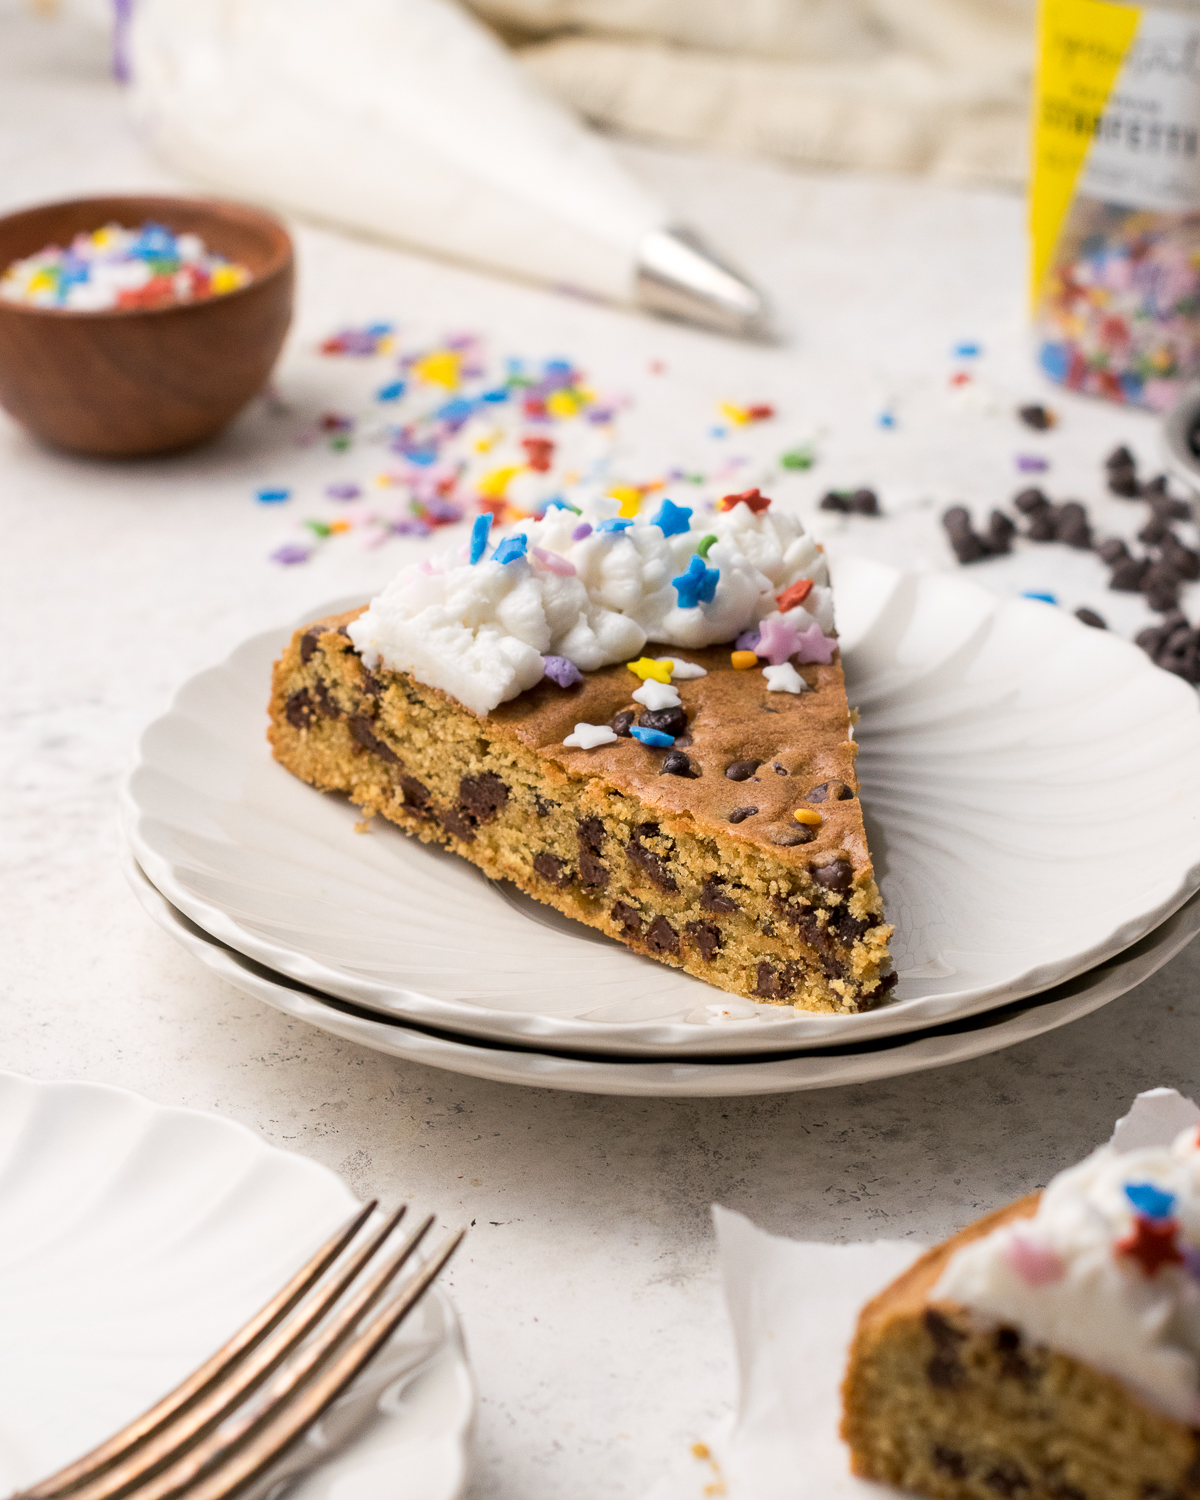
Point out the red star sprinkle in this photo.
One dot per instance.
(1152, 1244)
(755, 499)
(761, 412)
(795, 593)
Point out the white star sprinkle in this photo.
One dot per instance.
(784, 679)
(588, 736)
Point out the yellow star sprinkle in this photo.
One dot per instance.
(808, 817)
(743, 660)
(630, 498)
(494, 485)
(738, 415)
(645, 667)
(439, 368)
(562, 404)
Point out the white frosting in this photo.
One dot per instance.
(1063, 1279)
(479, 632)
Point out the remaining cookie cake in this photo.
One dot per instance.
(1052, 1350)
(695, 800)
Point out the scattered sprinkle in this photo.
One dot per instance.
(742, 661)
(589, 736)
(698, 585)
(650, 670)
(654, 738)
(705, 544)
(1039, 417)
(755, 499)
(511, 549)
(967, 350)
(672, 519)
(613, 525)
(562, 671)
(273, 496)
(479, 536)
(390, 392)
(784, 678)
(778, 639)
(1035, 594)
(813, 645)
(1152, 1201)
(553, 562)
(802, 457)
(886, 419)
(1036, 1264)
(807, 816)
(685, 671)
(655, 695)
(794, 594)
(581, 531)
(290, 554)
(1032, 463)
(343, 491)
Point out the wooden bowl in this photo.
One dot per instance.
(136, 381)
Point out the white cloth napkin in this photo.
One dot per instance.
(792, 1306)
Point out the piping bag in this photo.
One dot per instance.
(407, 119)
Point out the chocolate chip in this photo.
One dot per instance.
(299, 710)
(706, 937)
(778, 769)
(1120, 458)
(1113, 551)
(742, 770)
(1090, 617)
(1071, 525)
(362, 730)
(835, 500)
(590, 832)
(1185, 562)
(848, 929)
(1042, 528)
(593, 873)
(627, 918)
(957, 521)
(941, 1330)
(949, 1461)
(714, 897)
(1156, 487)
(1007, 1479)
(371, 684)
(1030, 501)
(1000, 532)
(864, 503)
(772, 983)
(1007, 1339)
(543, 805)
(676, 763)
(551, 868)
(326, 706)
(1160, 584)
(1124, 482)
(1156, 530)
(836, 791)
(836, 876)
(623, 722)
(480, 798)
(416, 795)
(740, 814)
(1127, 576)
(944, 1372)
(1035, 416)
(792, 834)
(662, 937)
(453, 822)
(647, 860)
(1150, 639)
(670, 721)
(308, 645)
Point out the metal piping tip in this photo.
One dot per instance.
(679, 276)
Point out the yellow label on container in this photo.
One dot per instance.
(1081, 47)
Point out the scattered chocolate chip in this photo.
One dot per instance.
(1042, 528)
(1160, 584)
(364, 733)
(945, 1371)
(848, 929)
(1155, 488)
(371, 684)
(778, 769)
(646, 859)
(714, 896)
(835, 791)
(742, 770)
(706, 937)
(1120, 458)
(836, 876)
(662, 937)
(772, 983)
(1090, 617)
(590, 832)
(957, 521)
(454, 822)
(684, 739)
(416, 796)
(670, 721)
(299, 710)
(791, 834)
(1156, 530)
(1150, 639)
(1030, 501)
(835, 500)
(1124, 482)
(949, 1461)
(1000, 533)
(1183, 559)
(326, 705)
(1007, 1479)
(676, 763)
(551, 868)
(1071, 525)
(1036, 416)
(864, 503)
(1127, 576)
(480, 798)
(627, 918)
(740, 814)
(593, 873)
(623, 722)
(1113, 551)
(543, 806)
(308, 645)
(968, 547)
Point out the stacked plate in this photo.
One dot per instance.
(1032, 795)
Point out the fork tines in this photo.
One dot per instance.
(208, 1438)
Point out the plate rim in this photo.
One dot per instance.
(487, 1023)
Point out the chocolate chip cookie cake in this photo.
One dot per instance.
(1051, 1351)
(694, 798)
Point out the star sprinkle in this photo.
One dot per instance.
(814, 645)
(511, 549)
(783, 678)
(795, 593)
(560, 670)
(697, 585)
(655, 695)
(755, 499)
(1149, 1200)
(1151, 1242)
(479, 537)
(646, 667)
(612, 524)
(589, 736)
(1036, 1264)
(652, 737)
(672, 519)
(777, 639)
(683, 671)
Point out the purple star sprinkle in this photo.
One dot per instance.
(290, 553)
(343, 491)
(562, 671)
(748, 640)
(1031, 463)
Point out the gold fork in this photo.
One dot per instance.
(206, 1438)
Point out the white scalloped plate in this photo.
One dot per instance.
(1031, 787)
(686, 1077)
(134, 1239)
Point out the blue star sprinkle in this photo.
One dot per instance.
(697, 585)
(653, 737)
(672, 520)
(614, 525)
(1149, 1200)
(511, 548)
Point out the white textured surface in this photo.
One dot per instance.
(135, 1239)
(588, 1289)
(972, 708)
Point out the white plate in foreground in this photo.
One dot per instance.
(684, 1077)
(134, 1239)
(1031, 788)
